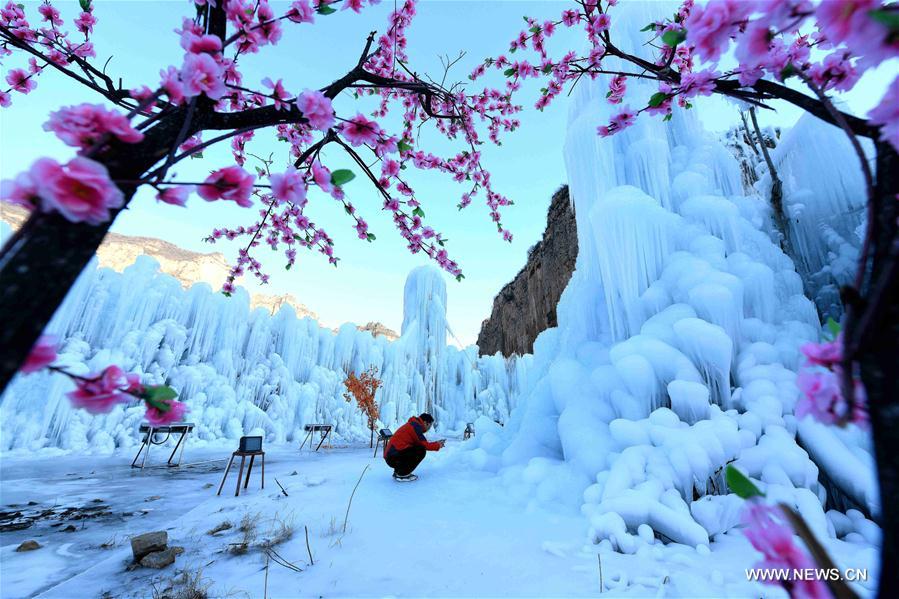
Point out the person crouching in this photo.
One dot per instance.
(407, 447)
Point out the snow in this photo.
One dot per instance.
(240, 370)
(455, 532)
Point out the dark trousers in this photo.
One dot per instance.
(405, 461)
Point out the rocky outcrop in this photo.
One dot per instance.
(527, 306)
(376, 328)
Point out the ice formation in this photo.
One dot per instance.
(241, 370)
(677, 345)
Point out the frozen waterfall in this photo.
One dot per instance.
(241, 370)
(677, 345)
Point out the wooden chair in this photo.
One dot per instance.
(383, 437)
(469, 431)
(323, 429)
(249, 447)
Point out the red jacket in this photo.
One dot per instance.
(409, 435)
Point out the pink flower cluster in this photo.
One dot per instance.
(230, 183)
(772, 536)
(85, 125)
(100, 394)
(80, 190)
(821, 385)
(42, 354)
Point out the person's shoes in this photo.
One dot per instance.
(404, 479)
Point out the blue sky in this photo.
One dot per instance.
(368, 284)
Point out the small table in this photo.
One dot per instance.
(182, 429)
(324, 429)
(383, 437)
(243, 456)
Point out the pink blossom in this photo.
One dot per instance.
(99, 394)
(838, 18)
(699, 83)
(22, 191)
(201, 74)
(598, 24)
(174, 413)
(81, 190)
(824, 354)
(85, 22)
(617, 88)
(42, 354)
(317, 109)
(301, 12)
(201, 44)
(176, 195)
(230, 183)
(886, 114)
(171, 83)
(322, 176)
(21, 81)
(623, 119)
(768, 533)
(821, 396)
(709, 28)
(279, 94)
(50, 14)
(360, 130)
(5, 99)
(84, 125)
(288, 187)
(752, 46)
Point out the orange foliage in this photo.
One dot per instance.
(363, 389)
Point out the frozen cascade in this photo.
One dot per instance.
(677, 345)
(241, 370)
(824, 192)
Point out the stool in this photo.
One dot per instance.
(243, 456)
(323, 429)
(383, 437)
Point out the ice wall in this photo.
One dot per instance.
(677, 345)
(240, 369)
(824, 194)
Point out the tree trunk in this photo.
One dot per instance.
(38, 267)
(877, 330)
(371, 440)
(41, 262)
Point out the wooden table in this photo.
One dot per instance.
(324, 429)
(243, 456)
(182, 429)
(383, 437)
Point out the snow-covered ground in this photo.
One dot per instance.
(456, 532)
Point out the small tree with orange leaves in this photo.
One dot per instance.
(363, 389)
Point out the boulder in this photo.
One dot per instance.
(29, 546)
(161, 559)
(148, 542)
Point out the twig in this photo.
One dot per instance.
(265, 586)
(311, 561)
(350, 503)
(282, 488)
(599, 560)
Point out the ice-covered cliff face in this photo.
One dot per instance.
(677, 346)
(240, 369)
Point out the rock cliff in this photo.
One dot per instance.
(527, 306)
